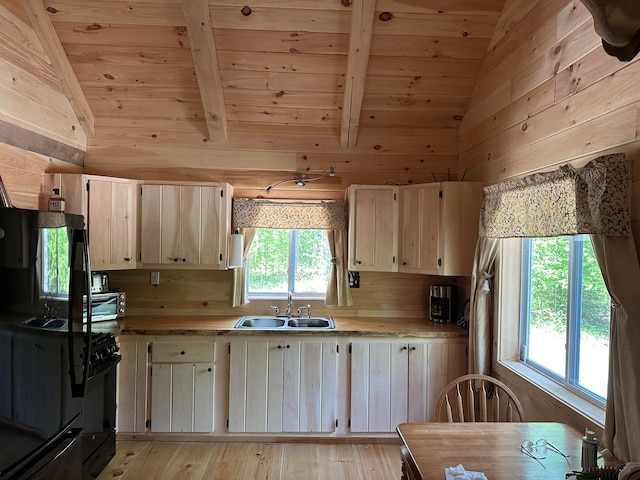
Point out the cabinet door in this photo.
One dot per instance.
(432, 364)
(255, 386)
(461, 204)
(182, 398)
(150, 224)
(396, 382)
(110, 223)
(310, 376)
(282, 386)
(182, 387)
(420, 228)
(108, 205)
(213, 236)
(171, 224)
(411, 229)
(373, 228)
(379, 385)
(133, 374)
(185, 225)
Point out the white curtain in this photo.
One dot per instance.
(618, 260)
(338, 291)
(239, 291)
(480, 308)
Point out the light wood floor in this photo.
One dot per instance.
(141, 460)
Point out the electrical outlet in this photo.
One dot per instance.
(155, 278)
(354, 279)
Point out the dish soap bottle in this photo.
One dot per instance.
(56, 202)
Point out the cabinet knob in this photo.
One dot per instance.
(404, 264)
(127, 259)
(288, 346)
(359, 262)
(413, 348)
(279, 347)
(184, 260)
(209, 369)
(182, 352)
(404, 348)
(175, 259)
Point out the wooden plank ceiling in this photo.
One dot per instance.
(273, 86)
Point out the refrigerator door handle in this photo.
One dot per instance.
(78, 291)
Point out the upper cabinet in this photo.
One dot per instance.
(109, 208)
(439, 227)
(430, 228)
(373, 228)
(185, 225)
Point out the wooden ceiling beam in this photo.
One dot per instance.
(203, 48)
(357, 63)
(51, 44)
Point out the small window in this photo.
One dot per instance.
(565, 318)
(281, 261)
(55, 261)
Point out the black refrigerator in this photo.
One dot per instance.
(44, 288)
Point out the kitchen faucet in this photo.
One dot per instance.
(289, 300)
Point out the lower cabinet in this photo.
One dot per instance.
(399, 381)
(182, 387)
(282, 385)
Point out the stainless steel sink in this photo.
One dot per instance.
(260, 322)
(46, 323)
(311, 322)
(284, 323)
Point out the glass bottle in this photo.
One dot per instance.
(56, 202)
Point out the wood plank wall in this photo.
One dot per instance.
(548, 95)
(190, 292)
(34, 106)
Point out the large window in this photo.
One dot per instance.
(565, 313)
(281, 261)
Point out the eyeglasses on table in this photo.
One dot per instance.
(538, 449)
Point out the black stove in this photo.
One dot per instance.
(99, 417)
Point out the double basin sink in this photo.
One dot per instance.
(47, 323)
(285, 323)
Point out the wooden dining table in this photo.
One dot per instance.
(491, 448)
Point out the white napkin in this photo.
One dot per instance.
(459, 473)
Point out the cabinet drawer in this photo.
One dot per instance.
(182, 353)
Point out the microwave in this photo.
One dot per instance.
(107, 306)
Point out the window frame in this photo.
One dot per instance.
(575, 269)
(548, 395)
(291, 269)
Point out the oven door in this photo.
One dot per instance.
(58, 460)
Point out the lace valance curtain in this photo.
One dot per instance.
(260, 213)
(567, 201)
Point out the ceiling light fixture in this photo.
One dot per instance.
(301, 180)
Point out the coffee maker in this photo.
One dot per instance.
(440, 303)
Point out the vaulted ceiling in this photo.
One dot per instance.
(271, 85)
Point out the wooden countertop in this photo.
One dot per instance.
(345, 326)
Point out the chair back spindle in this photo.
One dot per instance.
(478, 397)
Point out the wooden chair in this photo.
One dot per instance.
(481, 398)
